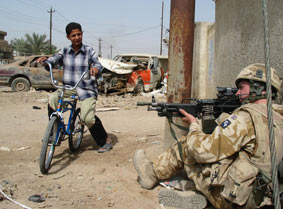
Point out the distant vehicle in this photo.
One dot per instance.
(25, 73)
(132, 73)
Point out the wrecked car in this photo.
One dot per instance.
(132, 73)
(25, 73)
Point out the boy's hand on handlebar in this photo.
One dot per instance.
(93, 71)
(41, 60)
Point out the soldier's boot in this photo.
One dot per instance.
(180, 199)
(146, 176)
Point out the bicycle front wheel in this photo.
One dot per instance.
(48, 145)
(77, 131)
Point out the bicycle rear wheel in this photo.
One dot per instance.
(48, 145)
(77, 131)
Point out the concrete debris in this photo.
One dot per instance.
(142, 140)
(5, 149)
(8, 188)
(21, 148)
(156, 142)
(107, 109)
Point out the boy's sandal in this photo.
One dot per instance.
(105, 148)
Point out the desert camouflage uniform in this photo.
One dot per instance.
(224, 164)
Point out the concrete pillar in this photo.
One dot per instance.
(203, 86)
(239, 37)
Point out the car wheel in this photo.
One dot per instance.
(20, 84)
(139, 87)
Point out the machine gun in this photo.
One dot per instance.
(205, 109)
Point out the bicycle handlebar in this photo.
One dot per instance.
(65, 86)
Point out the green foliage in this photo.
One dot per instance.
(20, 46)
(34, 44)
(53, 50)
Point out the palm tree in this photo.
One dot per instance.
(36, 43)
(53, 50)
(20, 46)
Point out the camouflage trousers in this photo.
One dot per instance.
(169, 163)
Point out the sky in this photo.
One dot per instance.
(123, 26)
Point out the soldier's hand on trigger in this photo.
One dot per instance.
(41, 60)
(188, 117)
(93, 71)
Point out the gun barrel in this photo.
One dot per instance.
(144, 103)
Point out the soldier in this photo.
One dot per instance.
(226, 164)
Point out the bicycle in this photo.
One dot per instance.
(57, 130)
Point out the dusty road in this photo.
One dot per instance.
(86, 179)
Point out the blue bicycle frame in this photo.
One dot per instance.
(67, 106)
(61, 103)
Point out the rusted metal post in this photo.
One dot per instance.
(181, 42)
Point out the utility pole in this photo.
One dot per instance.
(50, 36)
(111, 47)
(161, 28)
(181, 43)
(99, 47)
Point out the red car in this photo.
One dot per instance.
(133, 73)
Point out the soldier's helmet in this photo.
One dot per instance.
(256, 72)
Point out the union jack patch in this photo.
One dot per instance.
(226, 123)
(234, 117)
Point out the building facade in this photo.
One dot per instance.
(6, 50)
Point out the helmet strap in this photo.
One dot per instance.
(256, 89)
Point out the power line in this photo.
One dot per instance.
(42, 3)
(132, 33)
(58, 31)
(31, 4)
(21, 20)
(15, 13)
(34, 3)
(66, 19)
(91, 44)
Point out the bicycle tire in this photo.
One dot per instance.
(48, 146)
(77, 131)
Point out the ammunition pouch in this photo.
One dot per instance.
(263, 185)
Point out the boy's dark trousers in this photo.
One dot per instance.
(98, 132)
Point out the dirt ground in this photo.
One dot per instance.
(86, 179)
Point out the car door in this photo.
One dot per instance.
(155, 75)
(40, 76)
